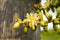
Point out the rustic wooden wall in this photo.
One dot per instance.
(8, 8)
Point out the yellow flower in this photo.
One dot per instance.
(31, 18)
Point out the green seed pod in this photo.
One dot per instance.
(25, 30)
(43, 23)
(47, 9)
(45, 28)
(55, 27)
(55, 3)
(58, 11)
(33, 28)
(38, 6)
(56, 21)
(49, 17)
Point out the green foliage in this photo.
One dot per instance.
(50, 35)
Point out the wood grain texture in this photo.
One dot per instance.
(8, 8)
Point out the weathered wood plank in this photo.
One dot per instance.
(8, 8)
